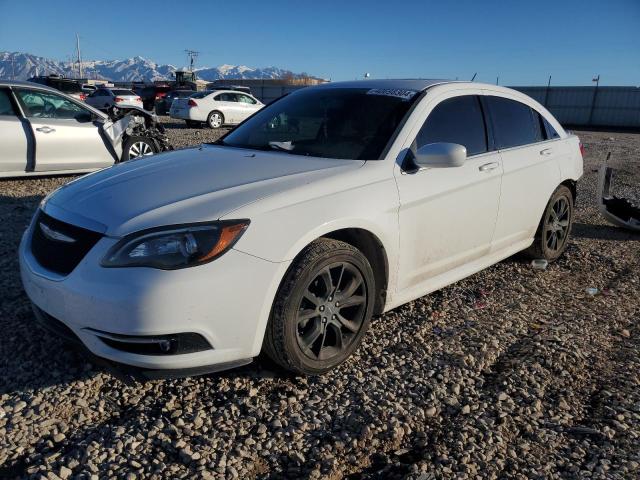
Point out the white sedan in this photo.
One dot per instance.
(215, 108)
(330, 205)
(103, 98)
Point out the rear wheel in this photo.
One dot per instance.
(136, 147)
(322, 310)
(215, 119)
(554, 229)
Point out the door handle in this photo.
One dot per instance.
(487, 167)
(546, 152)
(46, 129)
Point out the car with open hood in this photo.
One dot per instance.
(330, 205)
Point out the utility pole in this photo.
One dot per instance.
(546, 92)
(79, 56)
(192, 54)
(595, 79)
(498, 80)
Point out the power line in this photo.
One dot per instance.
(192, 54)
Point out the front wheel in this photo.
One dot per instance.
(554, 229)
(136, 147)
(322, 310)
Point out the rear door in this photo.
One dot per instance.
(230, 107)
(67, 137)
(531, 172)
(13, 137)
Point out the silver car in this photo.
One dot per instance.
(43, 131)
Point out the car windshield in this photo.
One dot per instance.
(122, 92)
(345, 123)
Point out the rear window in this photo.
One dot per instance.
(456, 120)
(122, 92)
(201, 94)
(514, 122)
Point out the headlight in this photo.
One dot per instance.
(169, 248)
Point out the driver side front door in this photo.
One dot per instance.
(448, 215)
(66, 136)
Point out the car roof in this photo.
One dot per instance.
(225, 91)
(417, 84)
(21, 83)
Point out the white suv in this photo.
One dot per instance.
(330, 205)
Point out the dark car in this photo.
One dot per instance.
(150, 94)
(69, 86)
(164, 104)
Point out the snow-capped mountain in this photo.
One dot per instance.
(21, 66)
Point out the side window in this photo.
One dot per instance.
(226, 97)
(550, 132)
(456, 120)
(514, 122)
(6, 107)
(246, 99)
(37, 104)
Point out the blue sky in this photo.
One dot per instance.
(521, 41)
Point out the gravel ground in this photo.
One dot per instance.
(512, 373)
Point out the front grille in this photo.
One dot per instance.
(65, 246)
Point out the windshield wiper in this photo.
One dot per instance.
(284, 146)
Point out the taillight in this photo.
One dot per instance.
(192, 103)
(83, 97)
(160, 95)
(582, 149)
(119, 99)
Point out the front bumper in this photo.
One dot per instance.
(126, 373)
(226, 301)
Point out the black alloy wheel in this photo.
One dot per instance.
(322, 309)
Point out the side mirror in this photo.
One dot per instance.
(441, 155)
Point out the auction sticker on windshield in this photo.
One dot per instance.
(393, 92)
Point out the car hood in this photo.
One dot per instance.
(185, 186)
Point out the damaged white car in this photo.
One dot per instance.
(44, 132)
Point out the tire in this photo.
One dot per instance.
(134, 144)
(309, 332)
(556, 223)
(215, 119)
